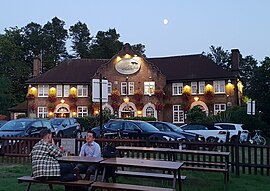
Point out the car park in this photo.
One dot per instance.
(234, 128)
(170, 127)
(23, 128)
(66, 127)
(135, 129)
(210, 132)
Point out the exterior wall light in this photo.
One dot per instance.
(62, 101)
(196, 98)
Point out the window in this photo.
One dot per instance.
(82, 90)
(66, 90)
(42, 112)
(194, 88)
(201, 87)
(149, 88)
(219, 86)
(150, 112)
(123, 88)
(178, 114)
(82, 111)
(177, 88)
(58, 90)
(109, 88)
(130, 88)
(219, 108)
(43, 90)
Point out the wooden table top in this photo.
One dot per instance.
(79, 159)
(131, 162)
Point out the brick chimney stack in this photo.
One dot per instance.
(235, 59)
(37, 66)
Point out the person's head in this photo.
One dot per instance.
(90, 137)
(46, 135)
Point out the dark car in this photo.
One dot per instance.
(66, 127)
(24, 128)
(135, 129)
(170, 127)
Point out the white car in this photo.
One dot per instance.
(233, 128)
(211, 133)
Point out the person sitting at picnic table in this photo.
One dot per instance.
(45, 165)
(89, 149)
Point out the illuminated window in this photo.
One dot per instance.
(177, 88)
(149, 88)
(43, 90)
(178, 114)
(42, 112)
(150, 112)
(82, 111)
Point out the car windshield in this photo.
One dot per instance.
(146, 126)
(56, 121)
(174, 127)
(15, 125)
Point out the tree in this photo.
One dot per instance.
(139, 48)
(219, 56)
(196, 115)
(80, 39)
(106, 44)
(260, 89)
(248, 66)
(55, 37)
(6, 95)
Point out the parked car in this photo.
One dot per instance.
(210, 132)
(2, 122)
(170, 127)
(233, 128)
(23, 128)
(134, 129)
(66, 127)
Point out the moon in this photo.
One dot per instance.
(165, 21)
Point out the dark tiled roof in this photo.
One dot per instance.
(70, 71)
(175, 68)
(190, 67)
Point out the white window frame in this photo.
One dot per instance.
(219, 86)
(42, 112)
(201, 87)
(177, 88)
(178, 114)
(43, 90)
(82, 90)
(109, 88)
(194, 88)
(123, 88)
(66, 90)
(218, 108)
(59, 90)
(82, 111)
(149, 88)
(130, 88)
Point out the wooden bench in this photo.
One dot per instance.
(30, 180)
(131, 187)
(147, 175)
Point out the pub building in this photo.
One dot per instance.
(165, 87)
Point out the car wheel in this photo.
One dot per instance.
(211, 139)
(60, 134)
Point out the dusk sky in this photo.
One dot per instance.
(193, 25)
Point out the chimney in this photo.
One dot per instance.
(235, 59)
(37, 66)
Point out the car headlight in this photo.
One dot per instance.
(168, 138)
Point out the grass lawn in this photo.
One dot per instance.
(196, 181)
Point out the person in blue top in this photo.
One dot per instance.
(89, 149)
